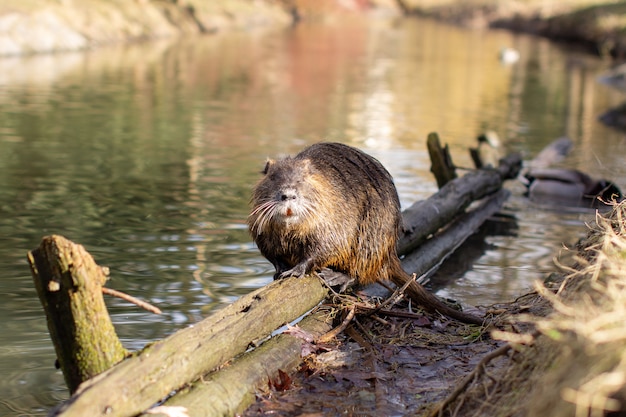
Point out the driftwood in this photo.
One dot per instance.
(191, 354)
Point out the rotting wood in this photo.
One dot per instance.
(165, 366)
(69, 284)
(231, 390)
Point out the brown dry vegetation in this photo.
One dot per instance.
(576, 362)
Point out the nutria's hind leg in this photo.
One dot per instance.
(336, 279)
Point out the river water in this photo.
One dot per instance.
(146, 155)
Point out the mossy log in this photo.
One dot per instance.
(231, 389)
(69, 284)
(165, 366)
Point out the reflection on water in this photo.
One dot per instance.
(146, 155)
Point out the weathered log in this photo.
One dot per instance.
(69, 285)
(441, 162)
(425, 217)
(168, 365)
(435, 251)
(231, 389)
(162, 367)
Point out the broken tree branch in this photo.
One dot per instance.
(69, 285)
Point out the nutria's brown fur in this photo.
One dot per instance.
(334, 206)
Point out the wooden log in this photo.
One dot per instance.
(165, 366)
(231, 390)
(435, 251)
(441, 162)
(426, 217)
(69, 285)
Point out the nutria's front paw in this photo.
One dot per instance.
(297, 271)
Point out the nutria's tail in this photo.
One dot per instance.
(431, 303)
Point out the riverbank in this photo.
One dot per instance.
(585, 327)
(37, 26)
(597, 25)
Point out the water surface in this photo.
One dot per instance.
(146, 155)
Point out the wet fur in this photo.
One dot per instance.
(333, 206)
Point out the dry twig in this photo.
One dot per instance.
(143, 304)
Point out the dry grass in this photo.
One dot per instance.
(576, 363)
(589, 328)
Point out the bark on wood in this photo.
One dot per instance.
(69, 285)
(231, 390)
(426, 217)
(140, 381)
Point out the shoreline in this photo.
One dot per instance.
(44, 26)
(599, 27)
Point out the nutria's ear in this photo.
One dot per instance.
(268, 164)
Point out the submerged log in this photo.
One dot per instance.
(69, 285)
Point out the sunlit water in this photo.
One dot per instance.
(146, 155)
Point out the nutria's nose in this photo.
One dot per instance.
(288, 194)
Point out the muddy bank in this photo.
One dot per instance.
(585, 328)
(600, 26)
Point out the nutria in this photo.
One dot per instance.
(334, 206)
